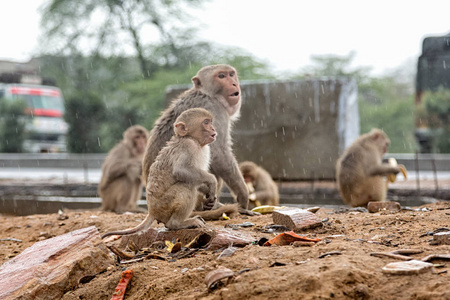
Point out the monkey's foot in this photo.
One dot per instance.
(248, 212)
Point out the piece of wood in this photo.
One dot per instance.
(374, 207)
(296, 219)
(51, 267)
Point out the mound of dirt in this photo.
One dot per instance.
(340, 266)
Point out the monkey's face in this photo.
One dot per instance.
(220, 80)
(229, 83)
(208, 132)
(139, 142)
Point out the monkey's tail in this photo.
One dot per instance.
(216, 214)
(144, 226)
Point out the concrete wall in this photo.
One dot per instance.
(296, 129)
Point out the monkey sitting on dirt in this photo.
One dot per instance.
(265, 190)
(180, 170)
(216, 89)
(360, 172)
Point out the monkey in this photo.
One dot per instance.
(217, 89)
(179, 172)
(360, 170)
(120, 185)
(265, 190)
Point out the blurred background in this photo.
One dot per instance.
(75, 74)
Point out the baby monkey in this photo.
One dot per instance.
(179, 171)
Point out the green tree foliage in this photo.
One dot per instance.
(435, 111)
(12, 125)
(84, 114)
(111, 27)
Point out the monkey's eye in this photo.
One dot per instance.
(206, 121)
(221, 75)
(231, 74)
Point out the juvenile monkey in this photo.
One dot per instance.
(179, 170)
(360, 172)
(216, 88)
(120, 186)
(265, 189)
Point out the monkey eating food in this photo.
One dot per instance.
(216, 89)
(180, 170)
(360, 172)
(120, 186)
(265, 190)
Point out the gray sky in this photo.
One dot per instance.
(384, 34)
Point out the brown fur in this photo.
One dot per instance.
(216, 88)
(266, 190)
(120, 186)
(360, 172)
(179, 170)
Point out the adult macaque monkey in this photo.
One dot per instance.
(120, 186)
(265, 190)
(180, 170)
(360, 172)
(216, 88)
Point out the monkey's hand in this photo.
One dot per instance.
(209, 202)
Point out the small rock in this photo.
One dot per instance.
(374, 207)
(407, 267)
(441, 238)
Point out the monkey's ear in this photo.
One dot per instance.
(196, 81)
(181, 129)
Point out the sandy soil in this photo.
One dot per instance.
(273, 272)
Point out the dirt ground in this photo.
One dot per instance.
(289, 272)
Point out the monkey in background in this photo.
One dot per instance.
(179, 172)
(216, 89)
(265, 189)
(360, 172)
(120, 186)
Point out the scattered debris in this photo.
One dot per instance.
(277, 264)
(296, 219)
(400, 254)
(238, 226)
(120, 254)
(390, 255)
(273, 228)
(442, 229)
(214, 278)
(441, 238)
(374, 207)
(330, 253)
(11, 240)
(62, 216)
(287, 238)
(266, 209)
(436, 256)
(225, 238)
(313, 209)
(121, 288)
(227, 252)
(173, 247)
(407, 267)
